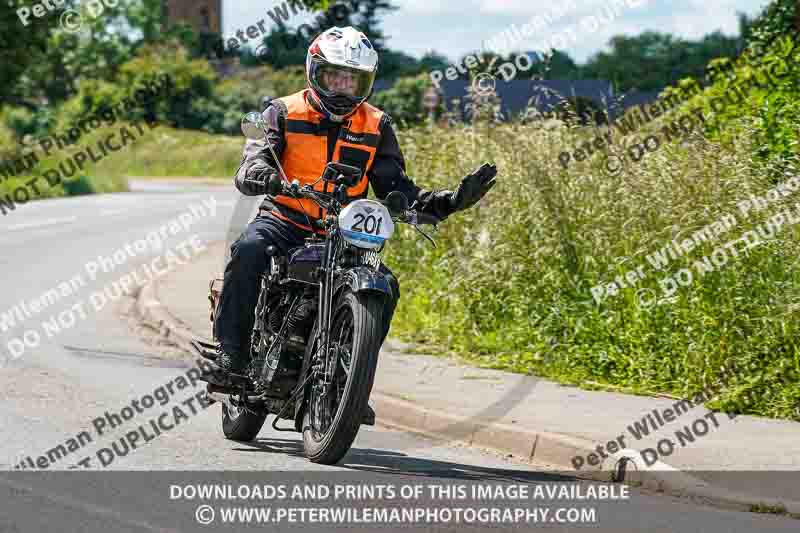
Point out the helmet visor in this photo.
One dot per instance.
(335, 80)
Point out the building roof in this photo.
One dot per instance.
(516, 95)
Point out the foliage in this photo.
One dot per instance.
(21, 48)
(403, 101)
(653, 60)
(182, 101)
(288, 47)
(579, 110)
(107, 175)
(79, 186)
(284, 48)
(161, 152)
(169, 152)
(767, 108)
(509, 284)
(780, 17)
(648, 61)
(362, 14)
(243, 93)
(8, 142)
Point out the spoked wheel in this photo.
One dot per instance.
(335, 409)
(239, 423)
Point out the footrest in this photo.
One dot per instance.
(211, 387)
(231, 380)
(238, 380)
(205, 350)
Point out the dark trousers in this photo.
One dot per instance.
(236, 313)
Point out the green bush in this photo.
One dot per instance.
(404, 100)
(78, 186)
(179, 86)
(769, 109)
(8, 140)
(779, 18)
(242, 93)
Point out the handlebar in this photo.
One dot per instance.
(296, 191)
(415, 218)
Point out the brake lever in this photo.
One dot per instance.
(411, 219)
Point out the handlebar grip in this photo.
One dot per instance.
(256, 184)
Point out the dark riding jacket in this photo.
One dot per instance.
(387, 174)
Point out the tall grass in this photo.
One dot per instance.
(509, 285)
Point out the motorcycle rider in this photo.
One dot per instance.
(330, 120)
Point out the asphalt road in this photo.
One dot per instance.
(97, 363)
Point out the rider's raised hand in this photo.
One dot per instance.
(473, 187)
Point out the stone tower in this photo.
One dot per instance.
(205, 16)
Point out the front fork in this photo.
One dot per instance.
(326, 305)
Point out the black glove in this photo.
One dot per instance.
(473, 187)
(263, 181)
(274, 184)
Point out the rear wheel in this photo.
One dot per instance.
(334, 412)
(239, 423)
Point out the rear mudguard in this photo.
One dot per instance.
(357, 279)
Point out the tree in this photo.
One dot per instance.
(287, 47)
(653, 60)
(362, 14)
(20, 48)
(403, 102)
(560, 66)
(780, 17)
(42, 63)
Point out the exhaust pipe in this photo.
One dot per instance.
(222, 394)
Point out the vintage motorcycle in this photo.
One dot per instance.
(318, 321)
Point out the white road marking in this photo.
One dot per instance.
(636, 457)
(42, 223)
(109, 212)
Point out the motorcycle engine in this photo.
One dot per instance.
(282, 366)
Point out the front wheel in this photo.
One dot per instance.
(334, 414)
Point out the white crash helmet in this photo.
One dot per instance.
(346, 54)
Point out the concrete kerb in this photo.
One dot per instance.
(526, 444)
(150, 311)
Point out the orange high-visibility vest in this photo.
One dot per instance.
(306, 151)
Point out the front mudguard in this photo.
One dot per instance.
(357, 279)
(363, 279)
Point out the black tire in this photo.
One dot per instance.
(241, 425)
(366, 311)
